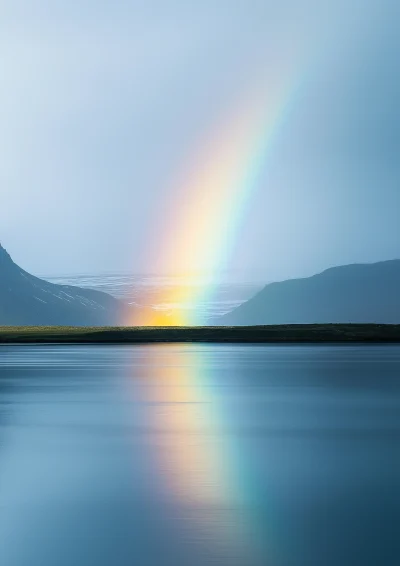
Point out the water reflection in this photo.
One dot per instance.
(195, 453)
(198, 455)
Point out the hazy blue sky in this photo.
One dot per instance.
(102, 102)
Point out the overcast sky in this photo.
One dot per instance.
(102, 102)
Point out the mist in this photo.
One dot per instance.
(103, 105)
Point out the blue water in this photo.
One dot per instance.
(195, 455)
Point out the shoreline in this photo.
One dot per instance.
(293, 333)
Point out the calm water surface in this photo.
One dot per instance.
(192, 455)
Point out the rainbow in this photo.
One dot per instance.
(199, 233)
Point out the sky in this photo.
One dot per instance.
(104, 104)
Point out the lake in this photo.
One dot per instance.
(195, 455)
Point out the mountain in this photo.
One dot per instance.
(358, 293)
(27, 300)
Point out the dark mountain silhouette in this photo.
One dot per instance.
(28, 300)
(359, 293)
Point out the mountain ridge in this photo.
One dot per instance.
(354, 293)
(29, 300)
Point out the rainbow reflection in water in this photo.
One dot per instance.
(196, 453)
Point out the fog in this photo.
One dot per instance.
(102, 104)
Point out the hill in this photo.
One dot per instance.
(359, 293)
(28, 300)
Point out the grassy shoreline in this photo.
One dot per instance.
(307, 333)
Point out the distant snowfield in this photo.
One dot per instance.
(152, 290)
